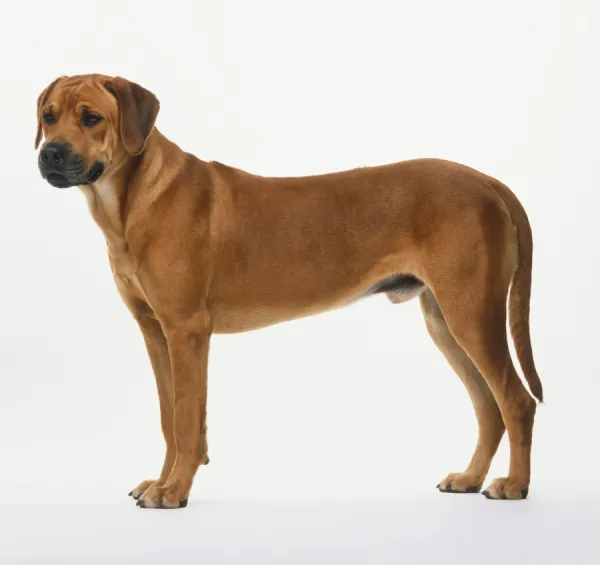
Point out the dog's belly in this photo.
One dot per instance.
(232, 319)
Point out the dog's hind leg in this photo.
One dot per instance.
(480, 329)
(489, 419)
(470, 283)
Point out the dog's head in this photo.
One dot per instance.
(92, 124)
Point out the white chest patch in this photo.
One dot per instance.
(104, 205)
(107, 197)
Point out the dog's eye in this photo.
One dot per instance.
(90, 120)
(48, 117)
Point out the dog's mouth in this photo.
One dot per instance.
(71, 178)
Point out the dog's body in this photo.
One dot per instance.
(198, 248)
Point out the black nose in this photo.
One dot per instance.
(54, 154)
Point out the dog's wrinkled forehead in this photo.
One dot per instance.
(70, 94)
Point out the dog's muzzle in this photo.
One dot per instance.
(62, 169)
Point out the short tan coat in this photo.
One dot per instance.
(198, 248)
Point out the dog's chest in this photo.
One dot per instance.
(122, 263)
(125, 271)
(105, 205)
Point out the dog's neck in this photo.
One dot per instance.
(119, 199)
(105, 201)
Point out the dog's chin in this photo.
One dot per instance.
(59, 181)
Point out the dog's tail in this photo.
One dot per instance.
(520, 291)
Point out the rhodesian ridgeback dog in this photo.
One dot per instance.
(199, 247)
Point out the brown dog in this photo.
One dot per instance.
(198, 247)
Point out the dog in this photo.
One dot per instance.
(199, 247)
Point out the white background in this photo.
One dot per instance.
(357, 403)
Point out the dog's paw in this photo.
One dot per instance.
(141, 489)
(162, 497)
(460, 483)
(506, 489)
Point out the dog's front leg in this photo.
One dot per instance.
(158, 352)
(188, 348)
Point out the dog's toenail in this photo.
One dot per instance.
(130, 493)
(525, 492)
(183, 503)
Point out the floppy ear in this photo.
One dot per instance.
(42, 99)
(138, 109)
